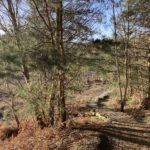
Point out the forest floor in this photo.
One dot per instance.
(121, 131)
(92, 125)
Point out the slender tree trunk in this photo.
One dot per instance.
(126, 46)
(51, 109)
(25, 70)
(13, 106)
(52, 102)
(130, 77)
(57, 43)
(149, 75)
(146, 101)
(13, 16)
(14, 113)
(62, 100)
(126, 63)
(62, 63)
(116, 56)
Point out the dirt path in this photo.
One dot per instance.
(122, 132)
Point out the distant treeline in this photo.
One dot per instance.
(105, 41)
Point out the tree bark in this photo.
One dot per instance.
(62, 63)
(149, 76)
(126, 58)
(116, 56)
(13, 16)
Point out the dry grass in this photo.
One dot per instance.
(31, 137)
(7, 131)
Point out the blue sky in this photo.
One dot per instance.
(101, 29)
(104, 28)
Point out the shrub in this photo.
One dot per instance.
(36, 98)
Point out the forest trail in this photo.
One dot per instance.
(122, 132)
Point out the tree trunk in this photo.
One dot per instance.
(62, 98)
(149, 75)
(16, 28)
(25, 70)
(14, 113)
(51, 109)
(52, 104)
(116, 56)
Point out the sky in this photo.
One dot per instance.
(104, 28)
(100, 29)
(103, 31)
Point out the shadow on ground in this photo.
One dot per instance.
(105, 143)
(125, 135)
(137, 114)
